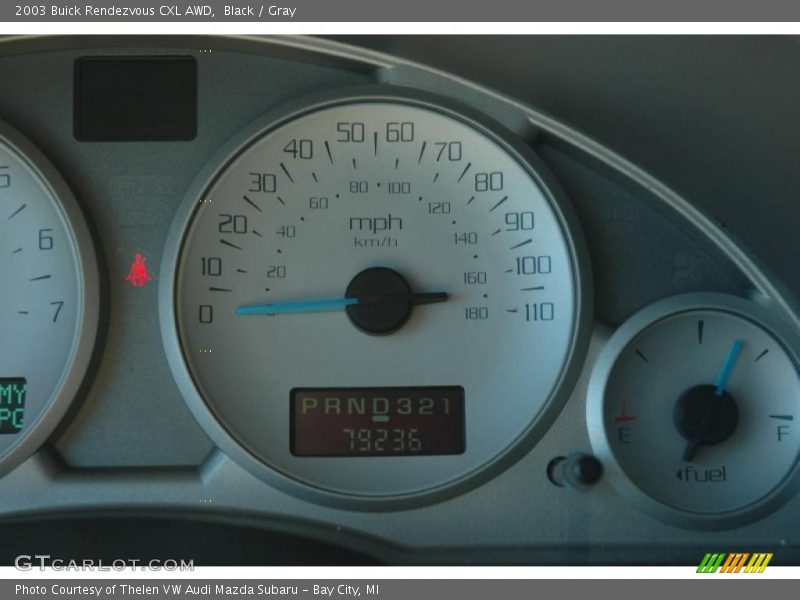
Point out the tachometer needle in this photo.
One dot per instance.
(721, 383)
(340, 303)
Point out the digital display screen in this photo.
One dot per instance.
(406, 421)
(12, 404)
(135, 99)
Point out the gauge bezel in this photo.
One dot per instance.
(87, 266)
(619, 341)
(217, 165)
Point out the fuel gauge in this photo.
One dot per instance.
(693, 407)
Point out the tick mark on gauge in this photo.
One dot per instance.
(285, 170)
(40, 278)
(22, 312)
(16, 212)
(623, 416)
(422, 151)
(503, 199)
(219, 289)
(375, 142)
(281, 200)
(328, 150)
(642, 356)
(532, 289)
(525, 243)
(257, 233)
(509, 270)
(314, 175)
(464, 172)
(512, 310)
(251, 203)
(355, 166)
(241, 271)
(782, 417)
(17, 251)
(700, 325)
(496, 231)
(420, 199)
(762, 355)
(396, 163)
(227, 243)
(435, 177)
(470, 200)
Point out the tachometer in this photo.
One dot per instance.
(48, 298)
(375, 296)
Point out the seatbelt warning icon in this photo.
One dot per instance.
(138, 274)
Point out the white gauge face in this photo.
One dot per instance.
(46, 333)
(376, 298)
(700, 411)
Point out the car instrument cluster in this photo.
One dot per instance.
(373, 294)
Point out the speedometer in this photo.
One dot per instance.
(374, 297)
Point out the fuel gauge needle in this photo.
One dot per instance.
(727, 367)
(340, 303)
(721, 383)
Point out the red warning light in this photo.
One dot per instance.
(138, 274)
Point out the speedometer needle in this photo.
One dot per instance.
(340, 303)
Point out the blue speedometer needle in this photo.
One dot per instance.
(722, 382)
(339, 303)
(296, 307)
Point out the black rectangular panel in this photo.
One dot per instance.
(404, 421)
(135, 99)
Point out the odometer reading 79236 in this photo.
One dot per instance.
(377, 421)
(377, 249)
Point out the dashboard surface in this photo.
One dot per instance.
(473, 300)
